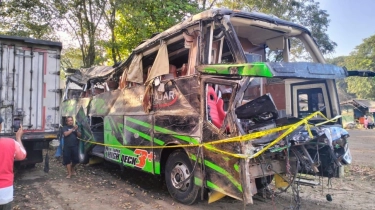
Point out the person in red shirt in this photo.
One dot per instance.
(10, 150)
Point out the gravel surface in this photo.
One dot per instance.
(104, 186)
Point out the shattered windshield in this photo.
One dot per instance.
(265, 42)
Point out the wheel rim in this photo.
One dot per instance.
(178, 176)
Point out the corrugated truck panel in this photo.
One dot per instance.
(51, 99)
(32, 90)
(6, 64)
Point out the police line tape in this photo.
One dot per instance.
(248, 137)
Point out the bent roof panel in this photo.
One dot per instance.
(83, 75)
(209, 14)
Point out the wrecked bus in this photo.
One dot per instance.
(219, 103)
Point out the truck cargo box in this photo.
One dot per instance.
(30, 89)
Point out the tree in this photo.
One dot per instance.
(82, 19)
(29, 18)
(71, 58)
(110, 10)
(363, 58)
(110, 29)
(140, 19)
(342, 86)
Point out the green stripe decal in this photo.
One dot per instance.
(189, 140)
(112, 140)
(260, 69)
(220, 170)
(197, 181)
(215, 187)
(237, 167)
(224, 172)
(165, 131)
(143, 135)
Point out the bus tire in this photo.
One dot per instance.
(178, 168)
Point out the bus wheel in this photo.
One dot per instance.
(179, 178)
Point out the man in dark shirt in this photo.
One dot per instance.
(70, 151)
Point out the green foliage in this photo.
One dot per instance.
(107, 30)
(362, 58)
(341, 83)
(71, 58)
(140, 19)
(82, 19)
(28, 18)
(363, 88)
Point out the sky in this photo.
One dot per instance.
(351, 22)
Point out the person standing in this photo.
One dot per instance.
(365, 122)
(70, 150)
(10, 150)
(370, 122)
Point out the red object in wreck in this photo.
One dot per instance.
(216, 112)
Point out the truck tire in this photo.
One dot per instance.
(178, 168)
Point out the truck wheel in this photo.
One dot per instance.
(178, 168)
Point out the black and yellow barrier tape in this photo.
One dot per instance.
(248, 137)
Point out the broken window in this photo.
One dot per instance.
(218, 97)
(216, 48)
(226, 56)
(178, 58)
(147, 62)
(170, 61)
(253, 53)
(310, 101)
(303, 102)
(73, 91)
(270, 42)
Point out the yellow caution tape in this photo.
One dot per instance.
(50, 136)
(248, 137)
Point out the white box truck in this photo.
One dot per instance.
(30, 92)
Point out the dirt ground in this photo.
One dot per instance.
(103, 186)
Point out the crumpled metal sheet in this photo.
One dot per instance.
(102, 104)
(307, 70)
(135, 72)
(129, 101)
(161, 63)
(83, 75)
